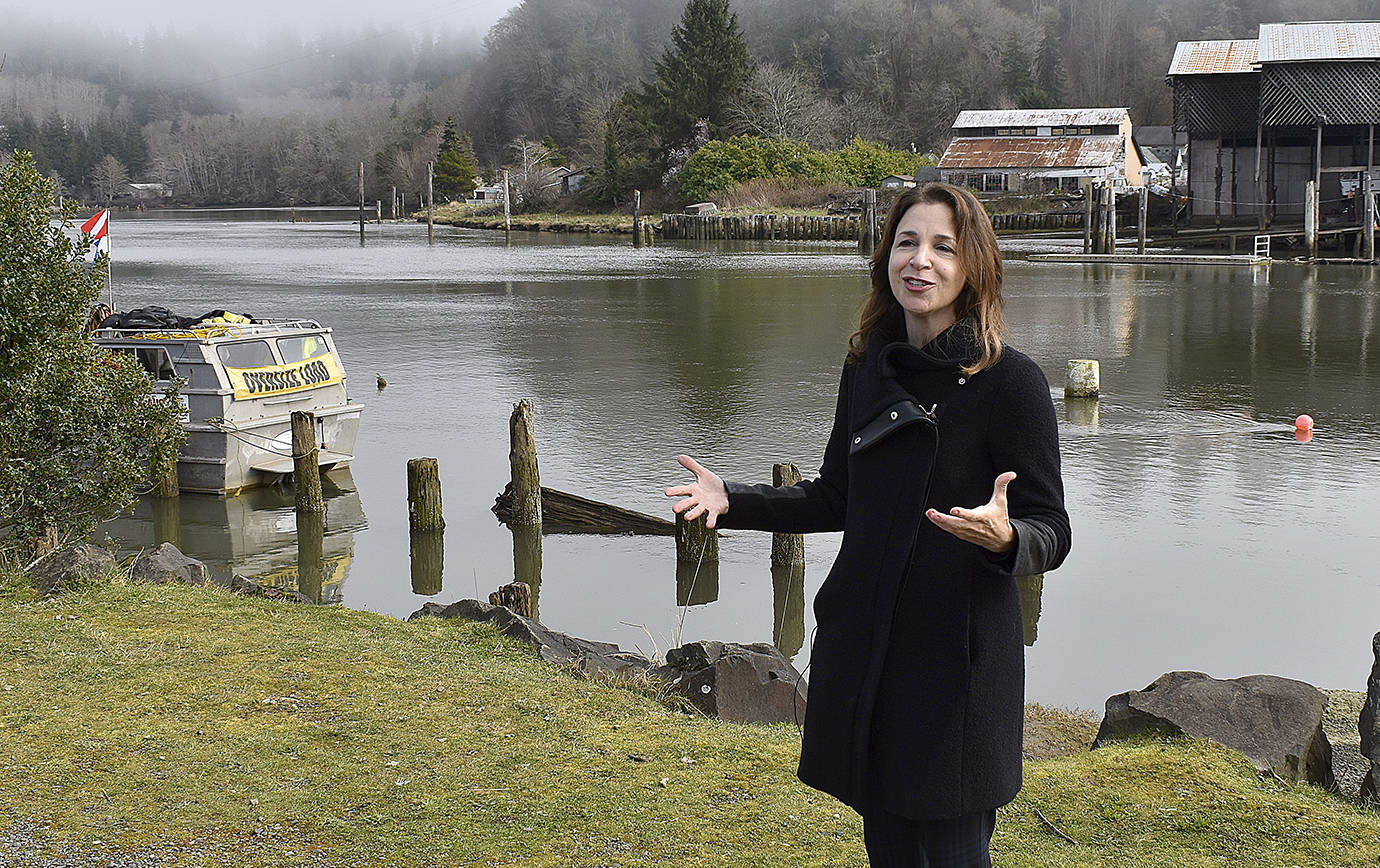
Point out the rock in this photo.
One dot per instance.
(587, 656)
(1370, 725)
(1276, 722)
(69, 567)
(166, 564)
(251, 588)
(743, 683)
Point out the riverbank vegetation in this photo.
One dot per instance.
(617, 86)
(193, 727)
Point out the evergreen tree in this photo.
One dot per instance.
(455, 169)
(700, 74)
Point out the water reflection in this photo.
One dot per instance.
(258, 534)
(427, 551)
(788, 608)
(697, 583)
(1084, 412)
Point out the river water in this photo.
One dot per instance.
(1206, 536)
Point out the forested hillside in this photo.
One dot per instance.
(234, 120)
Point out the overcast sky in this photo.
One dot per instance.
(253, 16)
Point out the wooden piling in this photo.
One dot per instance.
(696, 541)
(516, 597)
(378, 210)
(637, 218)
(430, 210)
(507, 208)
(1144, 213)
(1369, 216)
(522, 458)
(786, 548)
(867, 240)
(167, 520)
(306, 469)
(361, 204)
(165, 482)
(1310, 217)
(424, 512)
(1087, 217)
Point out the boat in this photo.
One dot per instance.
(239, 381)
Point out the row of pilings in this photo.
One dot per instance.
(786, 227)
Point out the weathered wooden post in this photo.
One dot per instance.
(427, 554)
(1144, 214)
(430, 205)
(507, 209)
(1087, 217)
(165, 484)
(1083, 379)
(696, 541)
(306, 468)
(637, 218)
(867, 241)
(516, 597)
(1110, 222)
(424, 511)
(1310, 218)
(787, 549)
(527, 561)
(393, 204)
(361, 204)
(522, 459)
(378, 210)
(1369, 252)
(311, 567)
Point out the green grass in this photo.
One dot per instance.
(207, 727)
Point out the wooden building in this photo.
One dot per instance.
(1035, 150)
(1265, 116)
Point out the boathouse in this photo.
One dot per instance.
(1263, 117)
(1037, 150)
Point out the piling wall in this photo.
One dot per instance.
(787, 227)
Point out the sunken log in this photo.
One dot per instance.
(569, 513)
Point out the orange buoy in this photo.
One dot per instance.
(1304, 423)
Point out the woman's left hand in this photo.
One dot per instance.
(987, 525)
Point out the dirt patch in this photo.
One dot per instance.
(1055, 732)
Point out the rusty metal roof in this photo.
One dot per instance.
(1042, 152)
(1057, 117)
(1320, 40)
(1214, 56)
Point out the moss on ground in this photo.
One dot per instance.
(206, 727)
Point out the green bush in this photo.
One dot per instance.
(79, 427)
(722, 165)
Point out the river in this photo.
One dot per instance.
(1206, 536)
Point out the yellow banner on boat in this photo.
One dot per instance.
(318, 371)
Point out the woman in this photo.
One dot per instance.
(942, 471)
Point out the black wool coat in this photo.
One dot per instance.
(917, 678)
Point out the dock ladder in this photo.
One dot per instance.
(1262, 249)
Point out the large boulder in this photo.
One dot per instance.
(69, 567)
(1276, 722)
(1370, 724)
(166, 564)
(586, 656)
(744, 683)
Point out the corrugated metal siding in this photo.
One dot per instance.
(1210, 56)
(1327, 40)
(1082, 117)
(1032, 153)
(1218, 105)
(1330, 93)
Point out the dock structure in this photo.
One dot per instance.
(1268, 119)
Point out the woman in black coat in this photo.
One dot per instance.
(942, 471)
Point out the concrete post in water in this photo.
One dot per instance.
(361, 204)
(868, 240)
(1083, 379)
(522, 458)
(1310, 218)
(787, 549)
(637, 218)
(424, 511)
(306, 468)
(430, 177)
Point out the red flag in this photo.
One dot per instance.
(97, 226)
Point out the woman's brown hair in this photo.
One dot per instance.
(980, 301)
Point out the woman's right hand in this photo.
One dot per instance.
(707, 495)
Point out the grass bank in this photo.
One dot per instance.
(199, 727)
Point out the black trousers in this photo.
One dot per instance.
(898, 842)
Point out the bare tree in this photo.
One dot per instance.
(108, 177)
(533, 179)
(411, 163)
(781, 103)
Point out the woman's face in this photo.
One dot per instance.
(925, 274)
